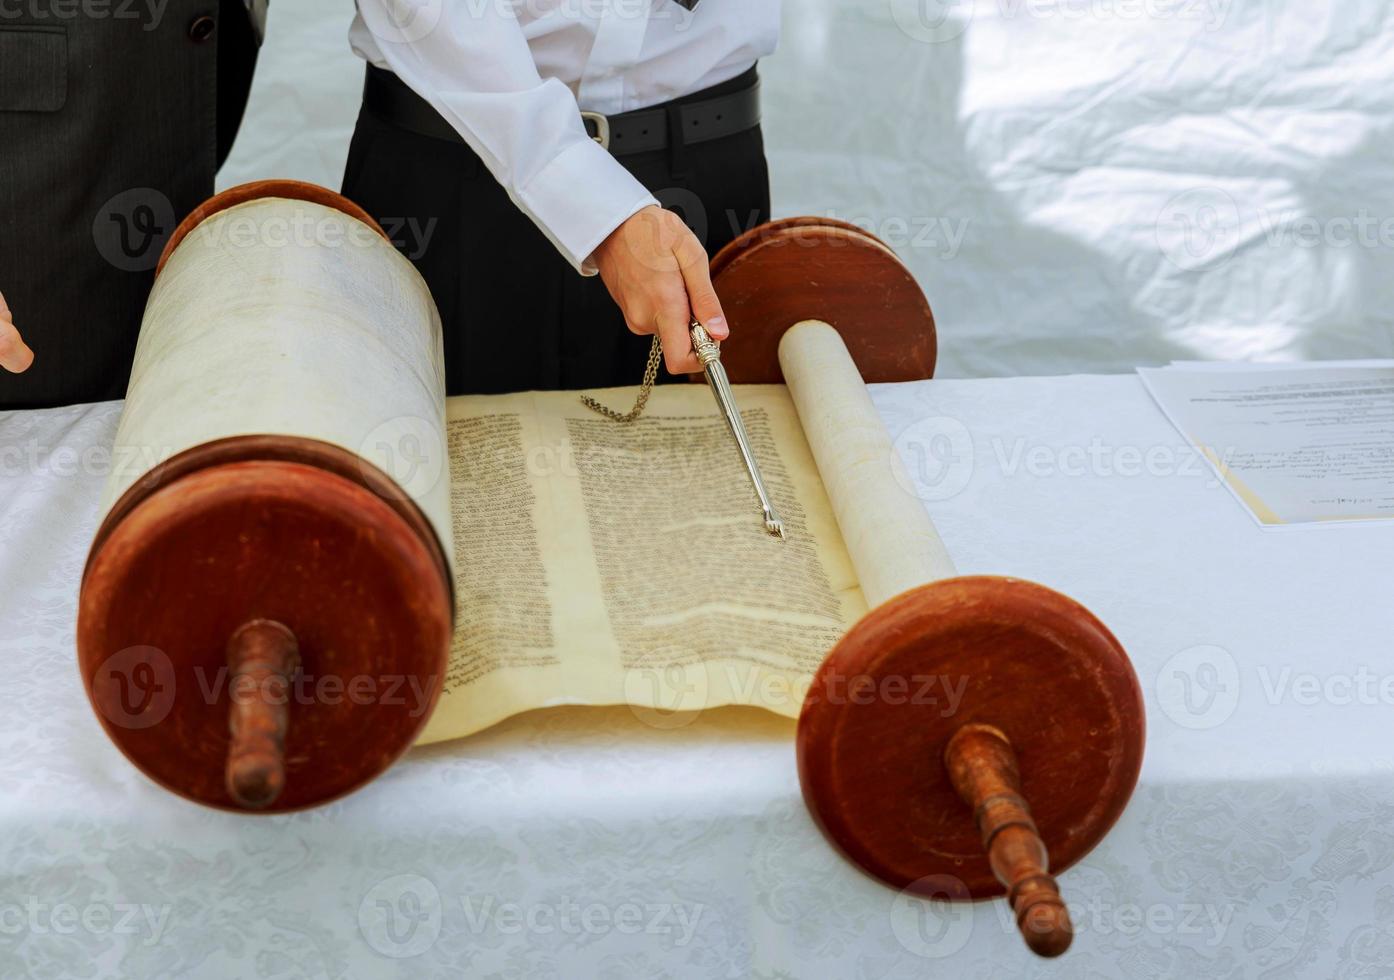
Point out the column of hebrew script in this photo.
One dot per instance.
(503, 618)
(687, 572)
(605, 563)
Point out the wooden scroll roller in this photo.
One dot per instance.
(265, 614)
(1038, 759)
(263, 658)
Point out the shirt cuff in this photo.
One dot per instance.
(579, 198)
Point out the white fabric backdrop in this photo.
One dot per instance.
(1079, 185)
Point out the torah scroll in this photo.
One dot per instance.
(298, 502)
(290, 473)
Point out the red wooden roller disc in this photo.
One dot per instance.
(1002, 652)
(181, 567)
(796, 269)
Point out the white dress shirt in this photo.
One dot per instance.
(512, 76)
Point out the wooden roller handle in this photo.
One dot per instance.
(983, 767)
(262, 657)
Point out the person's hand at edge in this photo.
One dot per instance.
(15, 355)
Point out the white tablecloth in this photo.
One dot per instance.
(579, 843)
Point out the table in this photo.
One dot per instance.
(586, 843)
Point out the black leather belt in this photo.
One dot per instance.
(697, 118)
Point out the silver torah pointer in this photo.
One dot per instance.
(709, 353)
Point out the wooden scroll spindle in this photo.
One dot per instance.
(234, 515)
(915, 794)
(983, 767)
(263, 658)
(911, 793)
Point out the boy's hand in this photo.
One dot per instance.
(657, 271)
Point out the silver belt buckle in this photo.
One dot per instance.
(602, 127)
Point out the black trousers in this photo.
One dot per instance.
(517, 316)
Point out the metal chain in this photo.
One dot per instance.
(645, 389)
